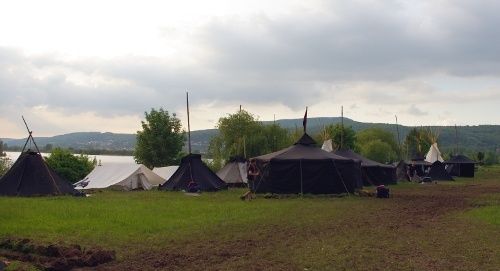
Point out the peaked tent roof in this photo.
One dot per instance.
(126, 176)
(308, 169)
(31, 176)
(193, 169)
(373, 172)
(235, 171)
(165, 172)
(460, 159)
(434, 154)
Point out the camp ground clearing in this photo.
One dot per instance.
(444, 226)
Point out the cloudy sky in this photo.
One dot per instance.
(89, 65)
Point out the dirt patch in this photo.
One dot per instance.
(53, 257)
(407, 210)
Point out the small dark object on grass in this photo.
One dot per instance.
(365, 193)
(382, 191)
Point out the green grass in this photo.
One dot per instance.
(117, 219)
(313, 233)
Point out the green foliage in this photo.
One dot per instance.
(5, 164)
(379, 151)
(2, 153)
(369, 142)
(480, 157)
(346, 136)
(243, 135)
(491, 158)
(161, 140)
(417, 142)
(69, 166)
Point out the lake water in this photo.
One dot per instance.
(103, 159)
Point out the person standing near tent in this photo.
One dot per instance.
(253, 171)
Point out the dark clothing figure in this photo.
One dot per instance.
(193, 187)
(253, 171)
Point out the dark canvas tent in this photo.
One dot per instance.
(31, 176)
(437, 172)
(419, 165)
(234, 173)
(372, 172)
(460, 166)
(304, 168)
(193, 169)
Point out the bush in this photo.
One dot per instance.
(5, 164)
(70, 167)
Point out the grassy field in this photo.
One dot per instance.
(445, 226)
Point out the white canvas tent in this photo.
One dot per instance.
(327, 145)
(433, 154)
(234, 172)
(124, 176)
(165, 172)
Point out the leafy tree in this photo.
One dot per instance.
(373, 134)
(71, 167)
(417, 142)
(161, 140)
(480, 157)
(5, 164)
(335, 132)
(276, 138)
(2, 153)
(491, 158)
(242, 134)
(378, 150)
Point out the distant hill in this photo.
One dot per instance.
(470, 138)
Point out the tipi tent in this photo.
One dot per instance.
(437, 172)
(433, 154)
(304, 168)
(122, 176)
(165, 172)
(372, 172)
(460, 166)
(234, 172)
(31, 176)
(193, 169)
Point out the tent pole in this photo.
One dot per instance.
(189, 127)
(399, 140)
(301, 180)
(342, 127)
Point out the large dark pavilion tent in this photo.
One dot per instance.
(305, 168)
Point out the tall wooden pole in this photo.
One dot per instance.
(456, 140)
(399, 140)
(342, 127)
(189, 126)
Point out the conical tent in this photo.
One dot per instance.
(122, 176)
(305, 168)
(433, 154)
(437, 172)
(31, 176)
(193, 169)
(372, 172)
(460, 166)
(234, 172)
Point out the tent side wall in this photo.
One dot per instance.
(307, 176)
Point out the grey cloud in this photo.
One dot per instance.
(413, 110)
